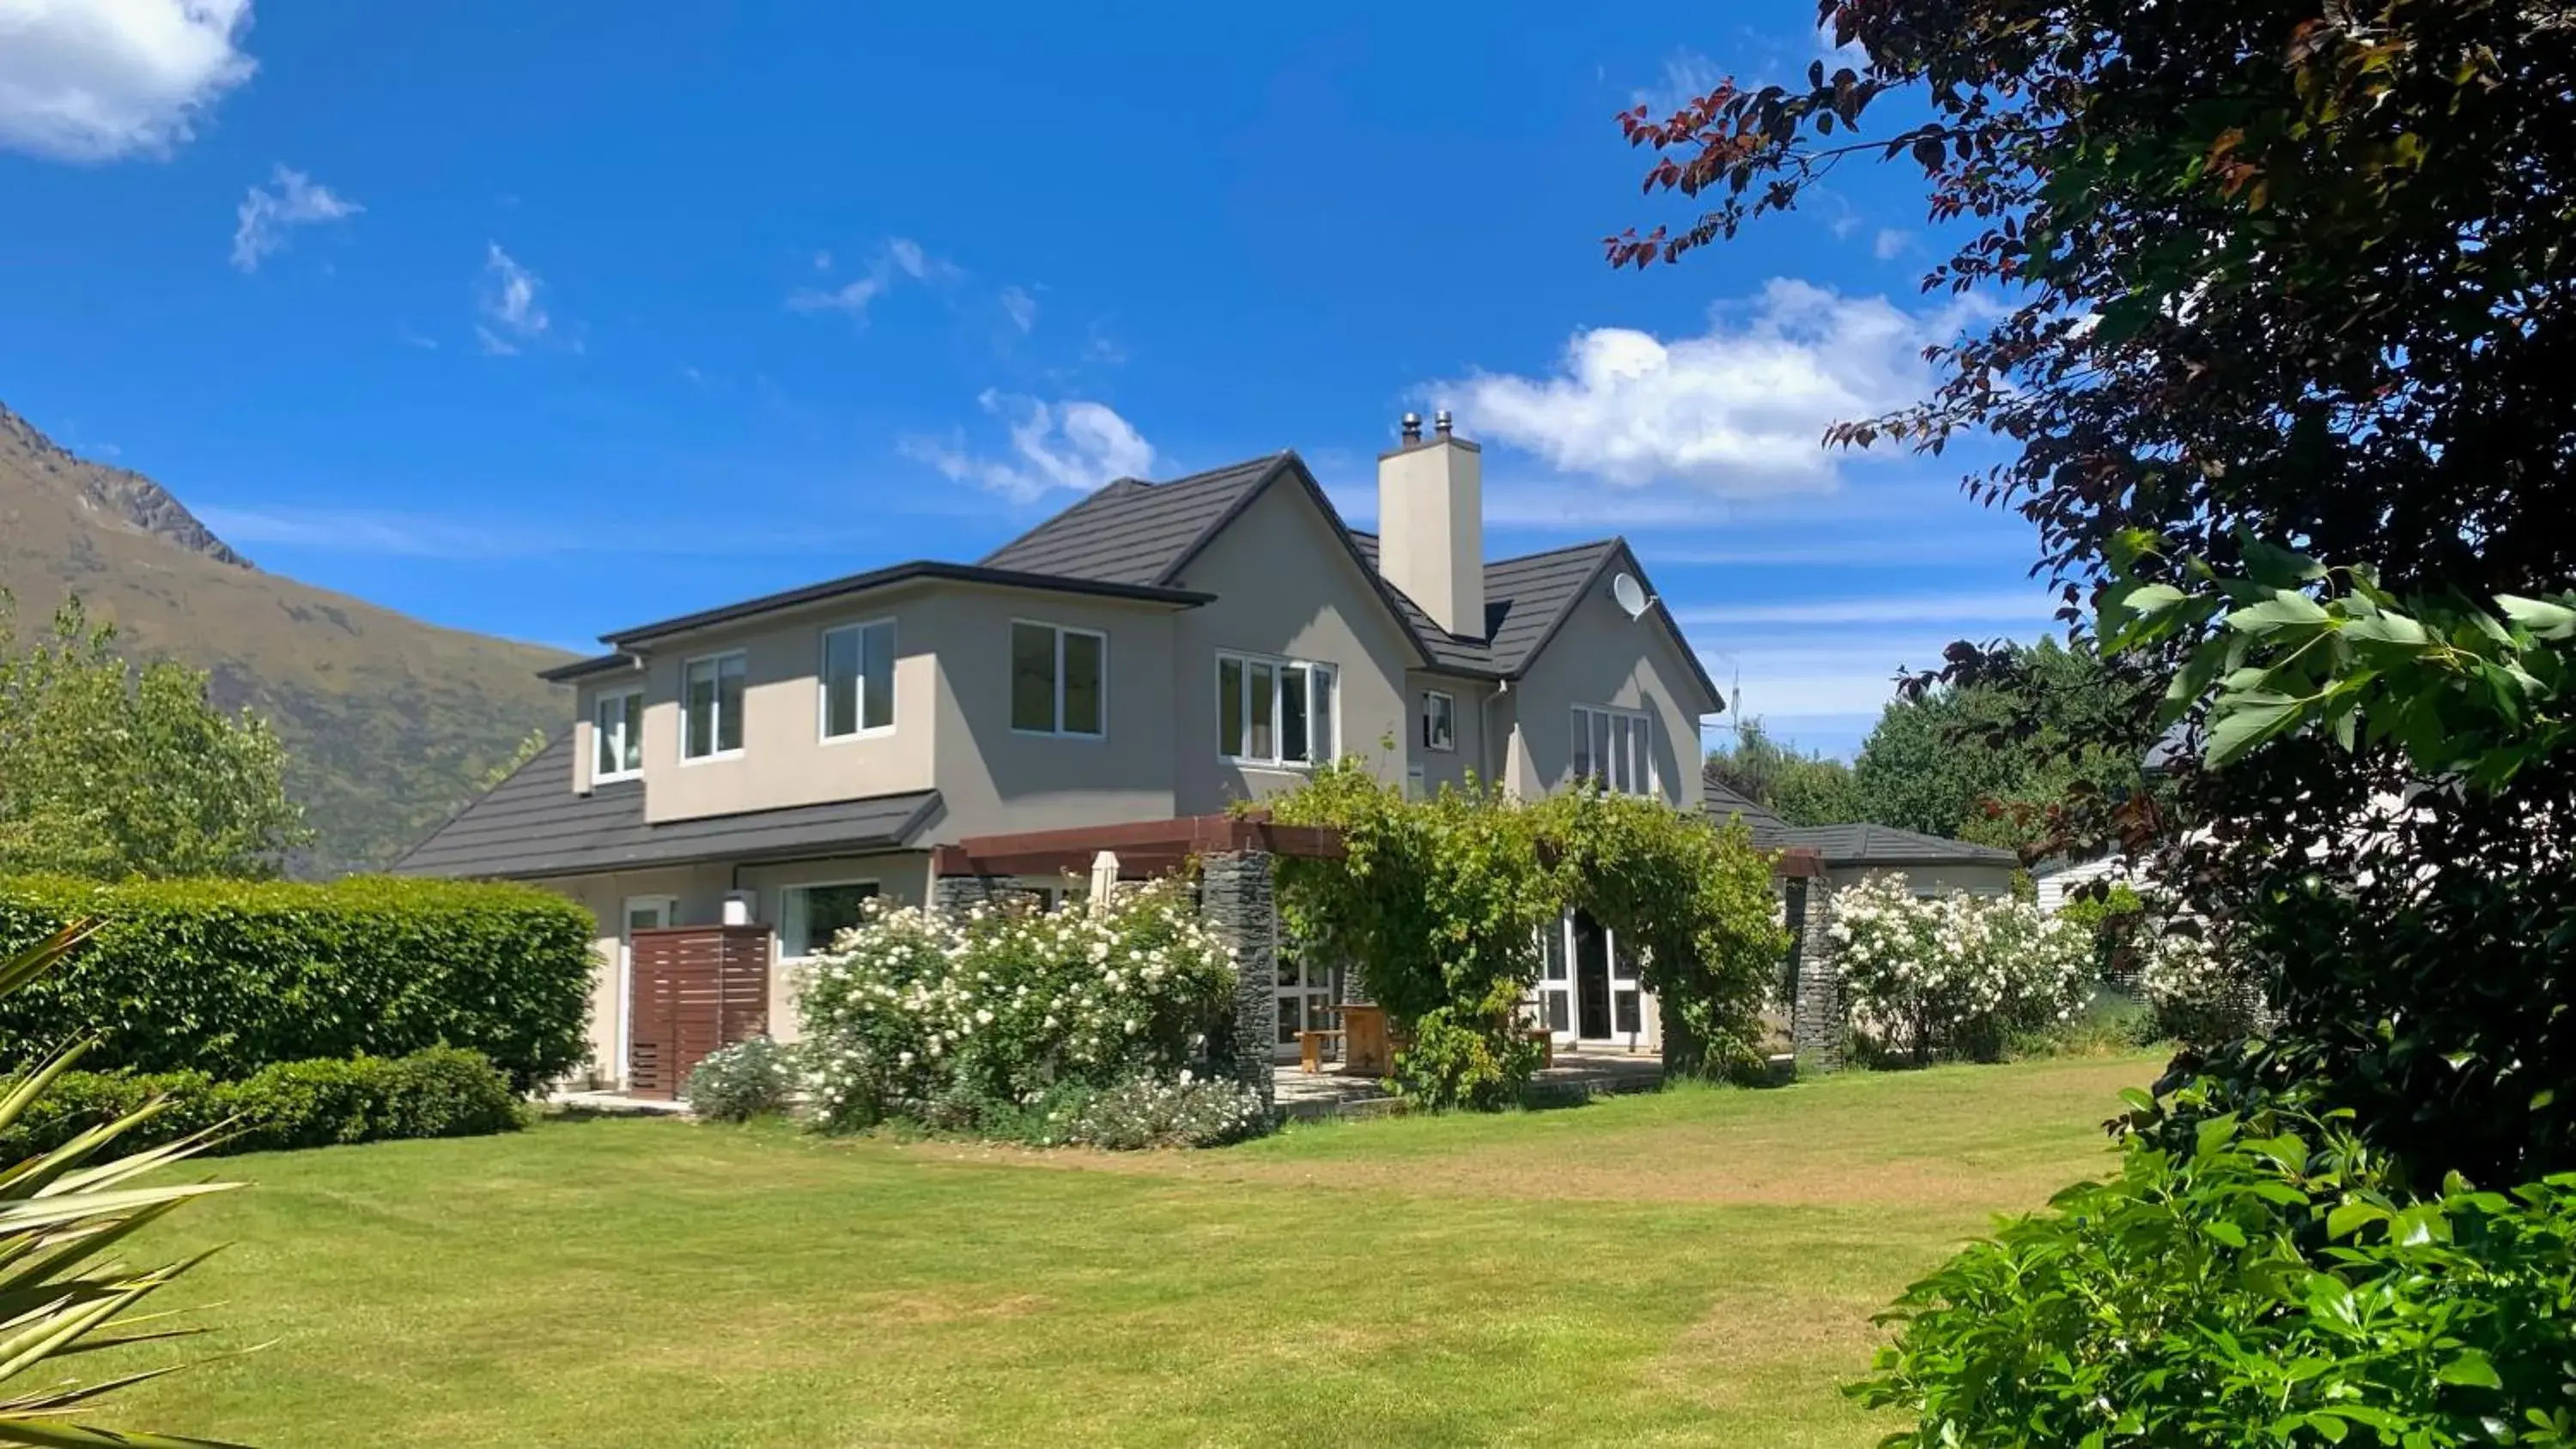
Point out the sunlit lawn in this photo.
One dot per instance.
(1696, 1267)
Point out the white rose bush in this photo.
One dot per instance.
(1013, 1022)
(2199, 996)
(1954, 976)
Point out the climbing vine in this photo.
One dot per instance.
(1438, 904)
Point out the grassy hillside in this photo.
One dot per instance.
(387, 721)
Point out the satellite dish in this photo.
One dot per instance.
(1631, 595)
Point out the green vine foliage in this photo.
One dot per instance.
(1439, 902)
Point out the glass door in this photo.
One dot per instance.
(1307, 995)
(1555, 980)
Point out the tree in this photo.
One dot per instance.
(1803, 789)
(111, 771)
(2279, 281)
(1985, 761)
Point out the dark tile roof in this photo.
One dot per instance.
(584, 668)
(532, 825)
(904, 573)
(1855, 844)
(1138, 533)
(1134, 532)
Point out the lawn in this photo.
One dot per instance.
(1696, 1267)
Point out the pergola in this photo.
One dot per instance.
(1143, 847)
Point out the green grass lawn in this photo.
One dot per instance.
(1696, 1267)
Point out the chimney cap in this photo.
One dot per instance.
(1413, 427)
(1440, 421)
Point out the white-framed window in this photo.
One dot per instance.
(617, 735)
(809, 916)
(1059, 680)
(1615, 748)
(1274, 711)
(857, 676)
(711, 706)
(1439, 720)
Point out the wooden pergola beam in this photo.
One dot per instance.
(1143, 847)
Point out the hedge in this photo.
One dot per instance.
(226, 977)
(441, 1092)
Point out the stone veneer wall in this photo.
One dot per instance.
(1238, 901)
(1816, 1022)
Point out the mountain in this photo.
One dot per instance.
(388, 722)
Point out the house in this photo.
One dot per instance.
(1849, 854)
(1155, 651)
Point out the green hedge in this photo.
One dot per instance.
(226, 977)
(441, 1092)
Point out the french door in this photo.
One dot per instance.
(1307, 995)
(1588, 989)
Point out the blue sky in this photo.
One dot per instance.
(545, 320)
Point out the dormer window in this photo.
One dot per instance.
(617, 735)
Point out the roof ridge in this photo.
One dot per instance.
(1613, 541)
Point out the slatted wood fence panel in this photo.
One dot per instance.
(694, 989)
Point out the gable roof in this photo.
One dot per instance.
(532, 825)
(902, 573)
(1854, 844)
(1145, 534)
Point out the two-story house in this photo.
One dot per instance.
(1156, 650)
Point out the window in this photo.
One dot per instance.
(1439, 721)
(858, 679)
(1615, 749)
(1273, 711)
(711, 706)
(811, 915)
(617, 735)
(1059, 680)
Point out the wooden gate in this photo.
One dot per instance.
(692, 989)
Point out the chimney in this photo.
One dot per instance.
(1431, 524)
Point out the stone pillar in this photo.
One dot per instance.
(957, 894)
(1816, 1023)
(1239, 903)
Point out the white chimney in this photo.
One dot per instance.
(1431, 524)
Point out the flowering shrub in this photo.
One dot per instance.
(1954, 975)
(969, 1022)
(1447, 1064)
(2200, 997)
(746, 1080)
(1189, 1112)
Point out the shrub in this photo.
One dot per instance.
(1184, 1113)
(1957, 975)
(749, 1079)
(2201, 998)
(2114, 918)
(964, 1023)
(1448, 1065)
(227, 977)
(439, 1092)
(2260, 1286)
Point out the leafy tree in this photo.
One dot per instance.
(110, 772)
(1801, 788)
(2276, 281)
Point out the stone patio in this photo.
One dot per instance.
(1574, 1077)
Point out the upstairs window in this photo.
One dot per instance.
(1614, 748)
(1439, 720)
(1059, 681)
(858, 679)
(1273, 711)
(617, 735)
(711, 706)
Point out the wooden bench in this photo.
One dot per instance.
(1310, 1048)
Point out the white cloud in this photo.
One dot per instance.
(852, 297)
(266, 214)
(1687, 76)
(1073, 446)
(899, 257)
(2018, 606)
(508, 303)
(1022, 307)
(93, 80)
(1737, 411)
(1890, 243)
